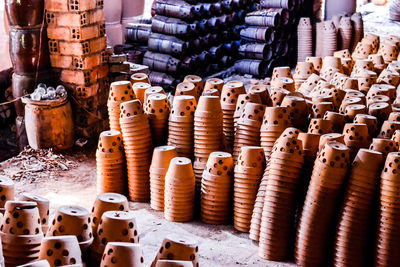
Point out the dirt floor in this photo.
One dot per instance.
(71, 180)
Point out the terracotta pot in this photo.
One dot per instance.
(152, 90)
(177, 249)
(120, 254)
(214, 83)
(72, 220)
(43, 205)
(197, 81)
(106, 202)
(7, 191)
(61, 250)
(29, 50)
(320, 126)
(140, 78)
(140, 89)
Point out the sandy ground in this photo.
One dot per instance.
(218, 245)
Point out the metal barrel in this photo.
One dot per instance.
(161, 62)
(167, 44)
(138, 33)
(263, 18)
(288, 4)
(254, 67)
(255, 51)
(173, 26)
(175, 8)
(258, 34)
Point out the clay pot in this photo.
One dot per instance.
(119, 92)
(72, 220)
(152, 90)
(106, 202)
(281, 72)
(243, 99)
(277, 96)
(110, 160)
(140, 78)
(29, 51)
(252, 157)
(214, 83)
(324, 194)
(158, 109)
(262, 91)
(339, 120)
(43, 205)
(384, 146)
(380, 110)
(121, 253)
(186, 88)
(61, 250)
(330, 137)
(7, 191)
(356, 136)
(140, 89)
(114, 226)
(179, 176)
(162, 157)
(219, 170)
(177, 249)
(135, 126)
(197, 81)
(21, 232)
(320, 126)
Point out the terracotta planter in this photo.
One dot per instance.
(119, 92)
(140, 89)
(158, 109)
(198, 82)
(43, 205)
(320, 126)
(120, 254)
(106, 202)
(72, 220)
(7, 191)
(61, 250)
(177, 249)
(29, 51)
(140, 78)
(388, 128)
(214, 83)
(152, 90)
(186, 88)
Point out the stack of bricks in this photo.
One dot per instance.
(77, 45)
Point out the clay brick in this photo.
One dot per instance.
(57, 47)
(72, 5)
(74, 19)
(77, 33)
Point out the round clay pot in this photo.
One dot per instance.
(6, 190)
(153, 90)
(140, 78)
(107, 202)
(72, 220)
(320, 126)
(214, 83)
(178, 248)
(121, 91)
(140, 89)
(21, 218)
(121, 254)
(29, 51)
(209, 104)
(43, 205)
(186, 88)
(61, 250)
(197, 81)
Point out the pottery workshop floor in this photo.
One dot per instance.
(72, 181)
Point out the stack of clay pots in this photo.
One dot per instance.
(229, 96)
(322, 198)
(61, 251)
(179, 191)
(158, 108)
(259, 203)
(326, 39)
(304, 39)
(243, 99)
(119, 92)
(214, 83)
(162, 157)
(356, 215)
(208, 133)
(298, 110)
(345, 33)
(122, 254)
(275, 121)
(248, 128)
(72, 220)
(43, 205)
(106, 202)
(138, 149)
(177, 248)
(320, 126)
(180, 126)
(247, 177)
(280, 72)
(278, 213)
(302, 72)
(139, 89)
(387, 246)
(21, 233)
(216, 189)
(355, 137)
(198, 83)
(6, 191)
(110, 161)
(114, 226)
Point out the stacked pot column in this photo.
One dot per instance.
(77, 44)
(198, 38)
(28, 53)
(269, 38)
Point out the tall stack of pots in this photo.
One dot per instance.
(29, 53)
(269, 38)
(77, 45)
(194, 38)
